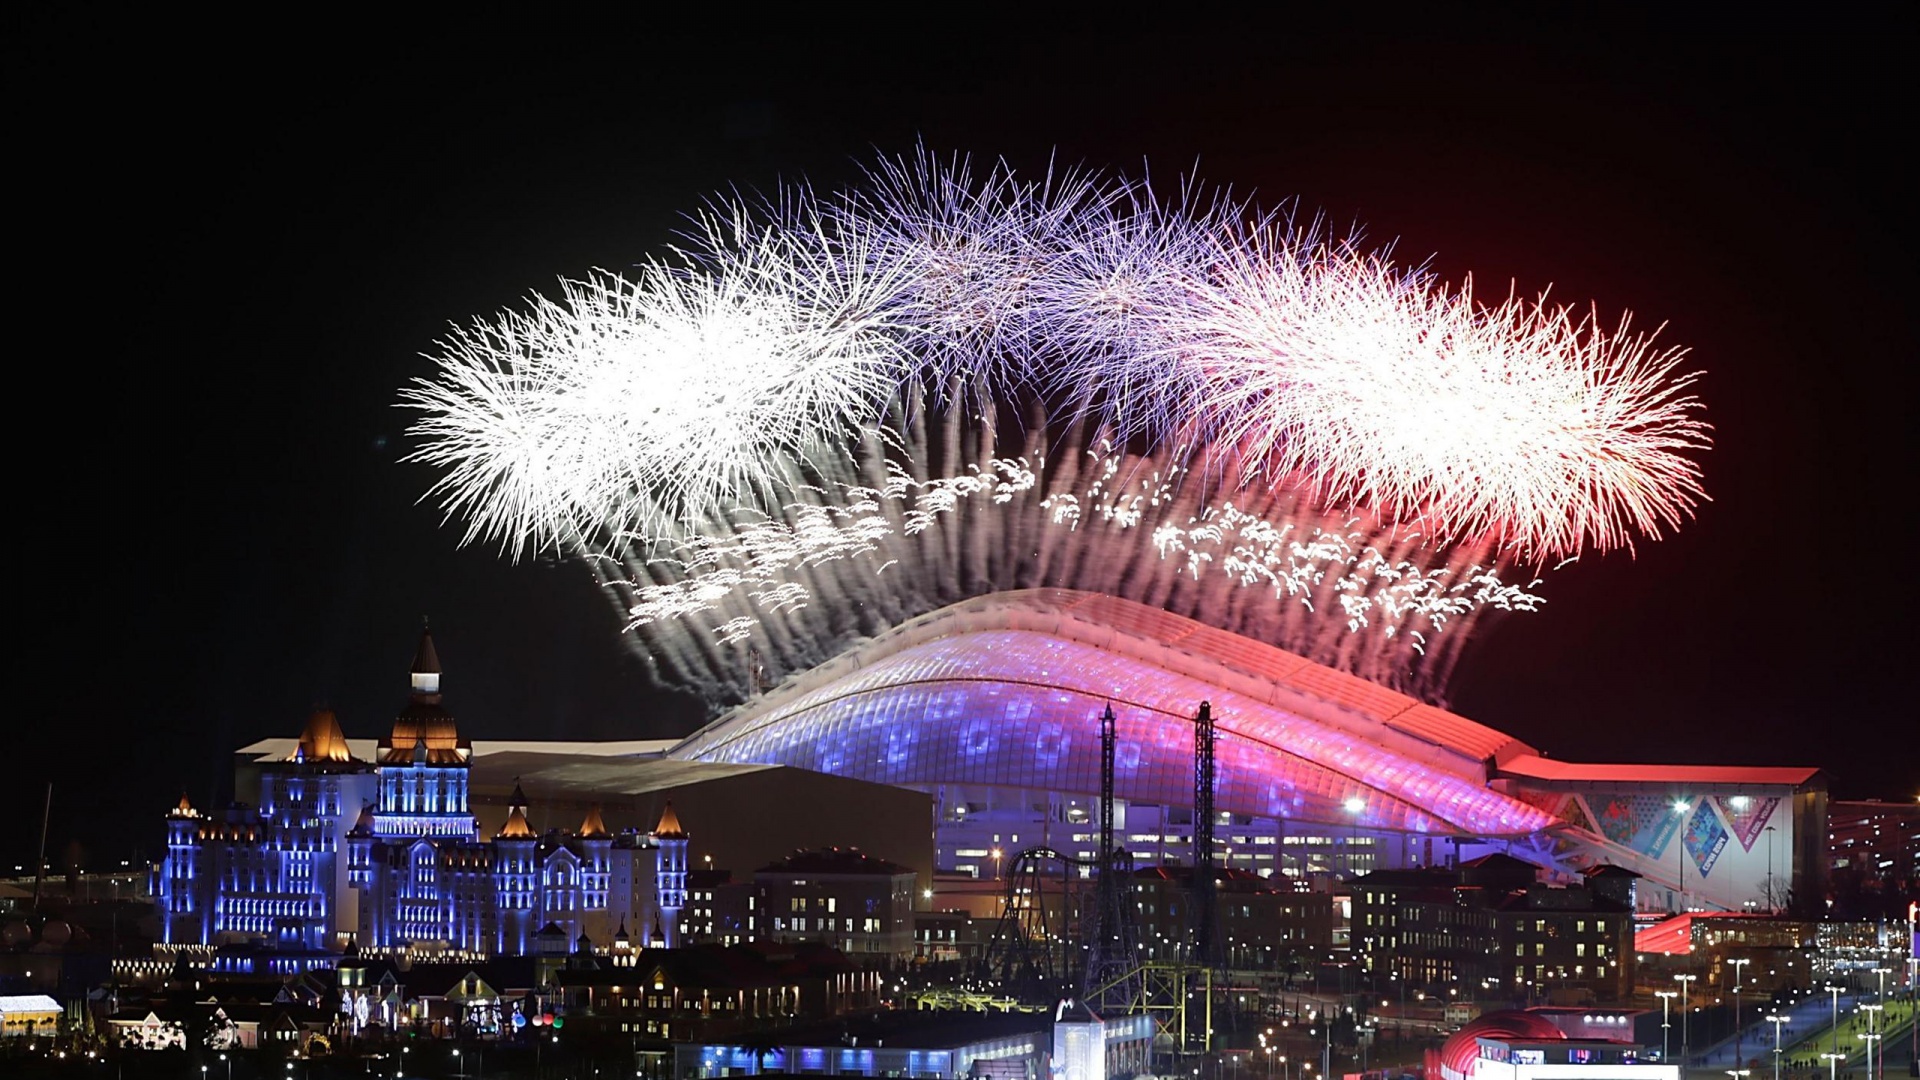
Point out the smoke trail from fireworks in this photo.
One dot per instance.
(784, 436)
(1360, 595)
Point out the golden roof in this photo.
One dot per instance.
(421, 722)
(669, 827)
(321, 739)
(593, 827)
(185, 809)
(516, 827)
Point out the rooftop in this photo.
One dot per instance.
(835, 861)
(1534, 767)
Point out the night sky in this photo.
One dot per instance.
(230, 246)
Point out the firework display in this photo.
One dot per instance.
(825, 414)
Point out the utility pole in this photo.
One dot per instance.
(40, 866)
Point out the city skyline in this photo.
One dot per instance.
(293, 253)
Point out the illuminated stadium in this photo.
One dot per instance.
(992, 707)
(917, 476)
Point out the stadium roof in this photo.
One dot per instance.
(1006, 689)
(1548, 770)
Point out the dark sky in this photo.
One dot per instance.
(230, 245)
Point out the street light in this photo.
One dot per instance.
(1833, 1065)
(1354, 805)
(1686, 1003)
(1871, 1037)
(1666, 1003)
(1680, 807)
(1776, 1020)
(1739, 969)
(1835, 991)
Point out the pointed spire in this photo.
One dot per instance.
(516, 827)
(424, 716)
(593, 828)
(184, 809)
(426, 664)
(669, 827)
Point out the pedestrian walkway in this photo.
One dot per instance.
(1807, 1034)
(1806, 1020)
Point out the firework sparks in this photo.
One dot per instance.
(745, 427)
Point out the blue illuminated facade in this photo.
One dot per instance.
(992, 706)
(277, 872)
(387, 855)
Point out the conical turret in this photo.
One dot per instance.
(424, 718)
(593, 828)
(321, 739)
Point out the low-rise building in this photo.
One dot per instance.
(1490, 927)
(1262, 923)
(708, 992)
(839, 897)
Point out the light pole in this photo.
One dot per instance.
(1739, 971)
(458, 1064)
(1833, 1065)
(229, 1062)
(1776, 1020)
(1666, 1004)
(1773, 904)
(1680, 810)
(1354, 805)
(1686, 1002)
(1873, 1029)
(1835, 991)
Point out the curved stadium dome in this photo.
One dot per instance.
(1006, 690)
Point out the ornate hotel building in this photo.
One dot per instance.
(387, 855)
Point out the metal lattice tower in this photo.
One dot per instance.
(1205, 944)
(1111, 980)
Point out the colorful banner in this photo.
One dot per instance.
(1705, 838)
(1644, 823)
(1746, 816)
